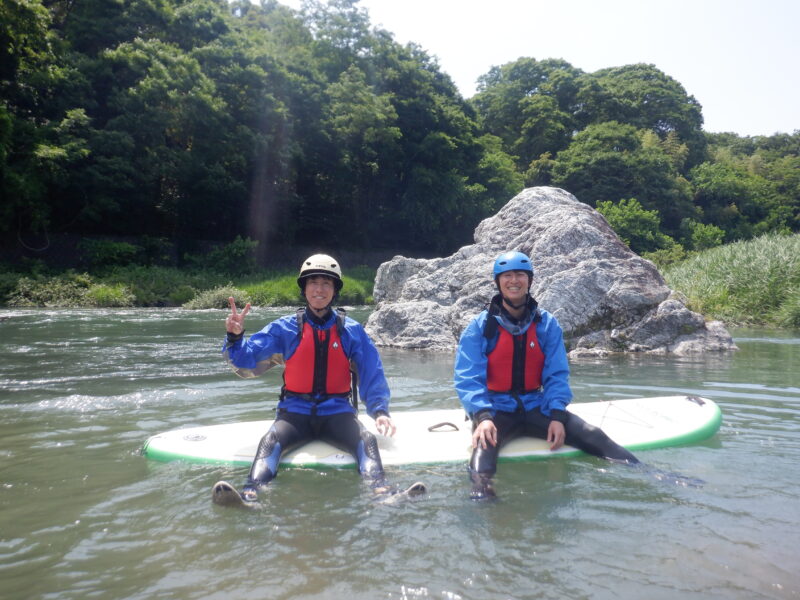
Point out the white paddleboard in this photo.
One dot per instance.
(443, 436)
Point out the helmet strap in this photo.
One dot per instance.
(320, 318)
(517, 306)
(328, 307)
(525, 301)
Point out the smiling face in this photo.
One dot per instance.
(514, 285)
(319, 292)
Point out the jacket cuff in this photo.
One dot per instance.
(381, 413)
(558, 415)
(232, 338)
(482, 415)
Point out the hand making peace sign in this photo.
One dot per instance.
(235, 322)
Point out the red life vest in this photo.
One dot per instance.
(515, 364)
(319, 365)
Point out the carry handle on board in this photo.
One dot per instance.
(438, 427)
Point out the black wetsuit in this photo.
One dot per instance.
(533, 423)
(292, 430)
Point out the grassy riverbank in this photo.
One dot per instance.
(166, 286)
(755, 282)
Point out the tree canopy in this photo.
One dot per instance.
(216, 120)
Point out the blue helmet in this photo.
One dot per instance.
(512, 261)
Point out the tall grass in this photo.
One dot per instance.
(754, 282)
(282, 290)
(162, 286)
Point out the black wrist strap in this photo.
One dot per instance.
(232, 338)
(482, 415)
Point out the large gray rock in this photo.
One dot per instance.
(606, 298)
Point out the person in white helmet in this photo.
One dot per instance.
(321, 350)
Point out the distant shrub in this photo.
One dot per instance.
(705, 236)
(667, 256)
(65, 291)
(8, 283)
(275, 291)
(218, 298)
(355, 291)
(162, 286)
(181, 295)
(32, 266)
(109, 296)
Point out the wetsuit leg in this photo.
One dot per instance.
(345, 431)
(581, 435)
(483, 462)
(289, 431)
(593, 440)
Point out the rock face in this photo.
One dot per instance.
(606, 298)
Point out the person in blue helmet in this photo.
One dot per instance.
(512, 377)
(321, 350)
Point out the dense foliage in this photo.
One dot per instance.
(629, 141)
(182, 120)
(204, 119)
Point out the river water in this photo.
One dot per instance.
(84, 515)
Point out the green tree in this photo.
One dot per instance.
(441, 186)
(497, 175)
(418, 163)
(197, 23)
(171, 111)
(637, 227)
(247, 167)
(29, 73)
(643, 96)
(540, 171)
(731, 198)
(528, 104)
(704, 236)
(93, 26)
(611, 161)
(341, 34)
(24, 40)
(762, 173)
(364, 135)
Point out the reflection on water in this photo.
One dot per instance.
(82, 514)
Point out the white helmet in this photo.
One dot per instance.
(321, 264)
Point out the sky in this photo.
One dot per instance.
(738, 58)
